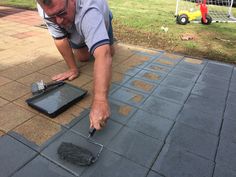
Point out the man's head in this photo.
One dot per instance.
(61, 12)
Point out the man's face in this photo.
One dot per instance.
(61, 12)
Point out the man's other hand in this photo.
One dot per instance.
(99, 114)
(70, 75)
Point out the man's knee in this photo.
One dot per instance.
(82, 54)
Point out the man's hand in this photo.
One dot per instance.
(70, 75)
(99, 114)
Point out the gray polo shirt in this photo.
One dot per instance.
(90, 28)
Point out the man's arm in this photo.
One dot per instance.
(64, 48)
(100, 111)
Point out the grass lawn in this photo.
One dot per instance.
(139, 22)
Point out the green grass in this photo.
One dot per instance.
(139, 22)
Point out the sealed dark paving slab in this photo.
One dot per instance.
(228, 130)
(230, 111)
(205, 105)
(103, 137)
(193, 140)
(174, 162)
(41, 167)
(216, 95)
(151, 125)
(191, 65)
(223, 171)
(200, 120)
(231, 98)
(50, 152)
(177, 72)
(158, 106)
(112, 164)
(153, 174)
(226, 154)
(13, 155)
(136, 146)
(171, 94)
(178, 83)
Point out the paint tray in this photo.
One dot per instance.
(56, 100)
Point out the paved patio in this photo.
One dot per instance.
(172, 116)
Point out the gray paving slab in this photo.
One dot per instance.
(232, 86)
(230, 112)
(220, 70)
(229, 130)
(193, 140)
(174, 162)
(158, 106)
(177, 72)
(13, 155)
(41, 167)
(216, 95)
(226, 154)
(153, 174)
(171, 94)
(129, 96)
(213, 81)
(200, 120)
(231, 98)
(113, 88)
(141, 85)
(205, 105)
(111, 164)
(104, 136)
(136, 146)
(233, 78)
(192, 67)
(50, 152)
(178, 83)
(223, 171)
(121, 112)
(157, 68)
(33, 145)
(154, 77)
(174, 57)
(151, 125)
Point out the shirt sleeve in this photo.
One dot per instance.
(94, 30)
(55, 31)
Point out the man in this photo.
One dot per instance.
(83, 27)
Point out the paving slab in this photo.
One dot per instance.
(231, 98)
(216, 95)
(111, 164)
(221, 170)
(228, 130)
(178, 163)
(171, 94)
(193, 140)
(37, 132)
(121, 112)
(178, 83)
(151, 125)
(200, 120)
(220, 70)
(50, 152)
(13, 155)
(157, 68)
(154, 77)
(230, 112)
(153, 174)
(141, 85)
(226, 154)
(129, 96)
(205, 105)
(41, 167)
(177, 72)
(102, 137)
(161, 107)
(130, 144)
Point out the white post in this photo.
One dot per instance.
(177, 7)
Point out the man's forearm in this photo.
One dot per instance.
(64, 48)
(102, 72)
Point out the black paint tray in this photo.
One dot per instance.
(56, 100)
